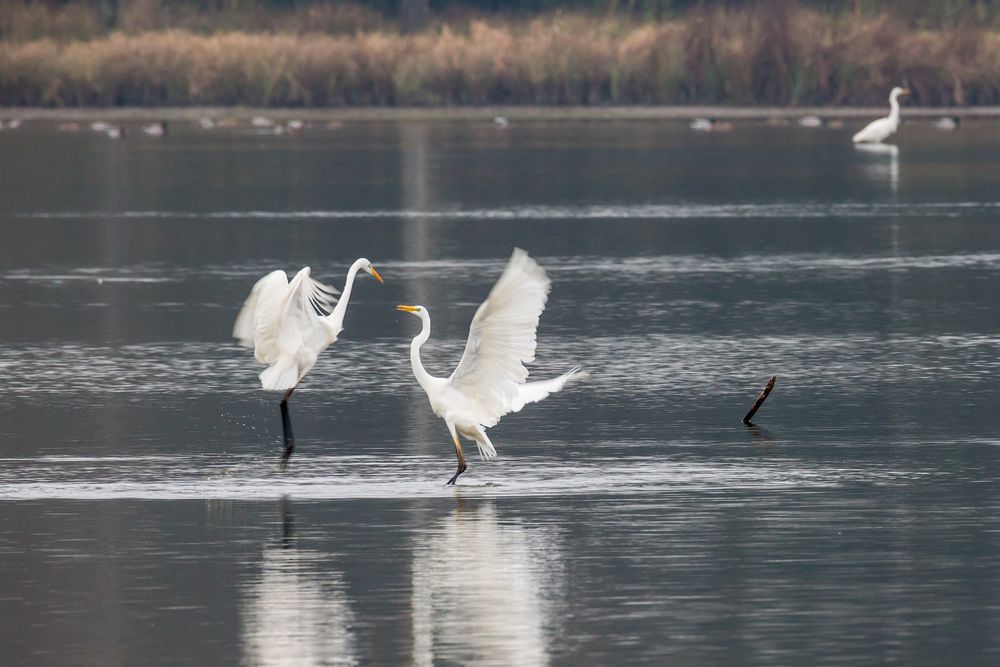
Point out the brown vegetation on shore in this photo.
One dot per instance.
(776, 55)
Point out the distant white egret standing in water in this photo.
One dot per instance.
(879, 130)
(490, 379)
(288, 324)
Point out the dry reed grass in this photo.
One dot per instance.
(777, 54)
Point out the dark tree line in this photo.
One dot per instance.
(927, 12)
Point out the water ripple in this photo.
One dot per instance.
(587, 267)
(633, 366)
(796, 210)
(351, 477)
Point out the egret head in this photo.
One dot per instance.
(419, 311)
(897, 91)
(367, 266)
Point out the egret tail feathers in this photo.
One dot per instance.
(282, 375)
(575, 374)
(532, 392)
(486, 449)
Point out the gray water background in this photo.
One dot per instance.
(631, 519)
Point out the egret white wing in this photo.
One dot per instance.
(502, 339)
(278, 314)
(264, 299)
(304, 303)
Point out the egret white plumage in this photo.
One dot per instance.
(879, 130)
(288, 325)
(490, 380)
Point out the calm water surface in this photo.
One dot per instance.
(631, 519)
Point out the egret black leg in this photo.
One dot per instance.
(286, 424)
(461, 463)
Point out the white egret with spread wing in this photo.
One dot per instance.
(879, 130)
(490, 380)
(288, 325)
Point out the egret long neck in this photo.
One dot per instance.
(337, 316)
(423, 377)
(894, 109)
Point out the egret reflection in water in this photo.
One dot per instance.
(882, 164)
(482, 590)
(296, 610)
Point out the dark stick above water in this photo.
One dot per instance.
(761, 397)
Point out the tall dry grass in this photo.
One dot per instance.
(769, 54)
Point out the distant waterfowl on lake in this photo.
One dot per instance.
(490, 380)
(710, 125)
(288, 325)
(155, 129)
(879, 130)
(811, 121)
(947, 123)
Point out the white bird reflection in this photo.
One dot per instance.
(296, 612)
(482, 591)
(884, 163)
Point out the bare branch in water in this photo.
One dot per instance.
(761, 397)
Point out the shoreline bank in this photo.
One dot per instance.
(479, 114)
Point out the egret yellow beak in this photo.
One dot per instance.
(906, 91)
(376, 275)
(407, 309)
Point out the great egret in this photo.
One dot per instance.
(288, 324)
(879, 130)
(490, 379)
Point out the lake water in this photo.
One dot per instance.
(631, 519)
